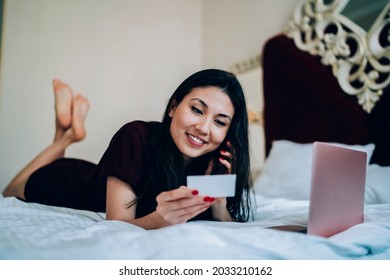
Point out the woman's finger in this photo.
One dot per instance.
(227, 164)
(181, 210)
(173, 200)
(232, 157)
(188, 213)
(176, 194)
(227, 154)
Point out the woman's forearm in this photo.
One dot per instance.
(220, 211)
(150, 221)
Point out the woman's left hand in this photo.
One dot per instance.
(226, 159)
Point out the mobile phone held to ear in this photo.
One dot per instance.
(218, 167)
(213, 185)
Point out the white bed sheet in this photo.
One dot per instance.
(34, 231)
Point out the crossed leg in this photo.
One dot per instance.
(70, 111)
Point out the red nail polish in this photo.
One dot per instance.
(195, 192)
(211, 199)
(223, 151)
(206, 198)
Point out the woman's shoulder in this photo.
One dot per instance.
(142, 125)
(142, 128)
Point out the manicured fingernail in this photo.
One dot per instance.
(195, 192)
(211, 199)
(223, 151)
(221, 159)
(206, 198)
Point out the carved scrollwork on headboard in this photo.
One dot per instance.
(245, 65)
(360, 60)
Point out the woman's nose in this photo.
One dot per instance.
(203, 126)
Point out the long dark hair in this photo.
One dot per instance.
(169, 171)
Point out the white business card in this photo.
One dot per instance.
(213, 185)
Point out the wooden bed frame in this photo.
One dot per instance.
(304, 103)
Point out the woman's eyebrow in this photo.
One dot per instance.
(205, 105)
(200, 101)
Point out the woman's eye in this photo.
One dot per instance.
(196, 110)
(220, 123)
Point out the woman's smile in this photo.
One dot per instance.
(196, 141)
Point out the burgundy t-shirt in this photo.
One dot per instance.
(129, 157)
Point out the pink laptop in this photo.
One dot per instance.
(337, 189)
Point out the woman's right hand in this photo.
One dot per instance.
(180, 205)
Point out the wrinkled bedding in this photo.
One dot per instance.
(34, 231)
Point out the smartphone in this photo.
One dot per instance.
(218, 167)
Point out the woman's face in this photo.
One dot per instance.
(201, 121)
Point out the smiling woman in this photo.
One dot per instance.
(140, 178)
(201, 121)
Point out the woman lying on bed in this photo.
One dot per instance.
(141, 176)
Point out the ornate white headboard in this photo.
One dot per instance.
(360, 59)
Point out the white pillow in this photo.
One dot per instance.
(287, 170)
(377, 184)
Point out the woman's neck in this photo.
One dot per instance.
(187, 162)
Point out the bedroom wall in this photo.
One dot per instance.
(126, 56)
(235, 30)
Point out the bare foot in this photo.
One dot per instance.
(79, 113)
(63, 104)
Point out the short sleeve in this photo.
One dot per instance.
(128, 155)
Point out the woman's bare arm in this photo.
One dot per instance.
(173, 207)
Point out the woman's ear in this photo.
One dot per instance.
(172, 109)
